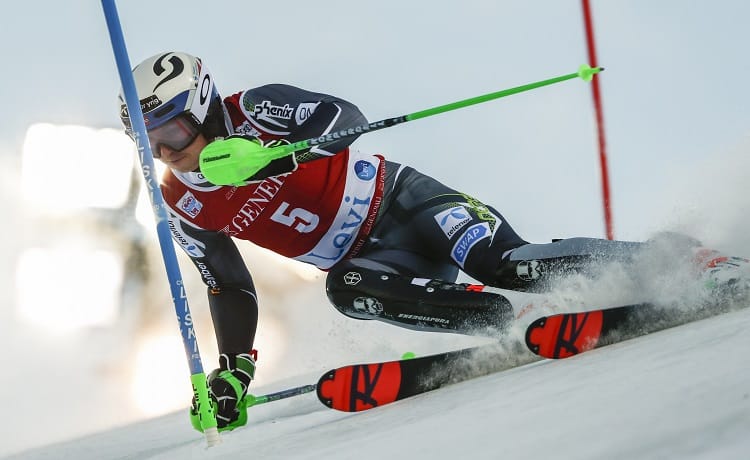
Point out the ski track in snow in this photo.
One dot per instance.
(680, 393)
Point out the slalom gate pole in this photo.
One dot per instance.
(601, 137)
(197, 376)
(213, 166)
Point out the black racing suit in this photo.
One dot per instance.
(422, 230)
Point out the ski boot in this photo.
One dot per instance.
(726, 278)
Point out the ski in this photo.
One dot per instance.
(360, 387)
(568, 334)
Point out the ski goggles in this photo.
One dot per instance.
(177, 133)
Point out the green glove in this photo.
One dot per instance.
(232, 160)
(227, 387)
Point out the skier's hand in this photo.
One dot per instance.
(232, 160)
(227, 387)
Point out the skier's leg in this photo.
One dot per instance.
(371, 288)
(534, 267)
(447, 227)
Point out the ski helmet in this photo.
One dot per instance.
(174, 85)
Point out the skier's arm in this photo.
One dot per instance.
(329, 116)
(311, 115)
(231, 292)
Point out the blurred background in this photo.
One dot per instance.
(87, 328)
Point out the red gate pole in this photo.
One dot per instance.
(606, 198)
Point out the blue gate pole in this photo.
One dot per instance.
(179, 298)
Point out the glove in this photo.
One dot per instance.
(231, 161)
(227, 387)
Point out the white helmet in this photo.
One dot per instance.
(171, 84)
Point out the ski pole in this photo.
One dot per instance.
(222, 164)
(252, 400)
(197, 377)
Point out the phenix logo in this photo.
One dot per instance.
(268, 110)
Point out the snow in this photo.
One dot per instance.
(677, 162)
(680, 393)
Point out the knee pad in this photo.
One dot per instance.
(415, 303)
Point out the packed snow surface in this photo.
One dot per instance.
(679, 393)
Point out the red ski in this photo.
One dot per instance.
(568, 334)
(361, 387)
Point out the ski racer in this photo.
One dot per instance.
(392, 239)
